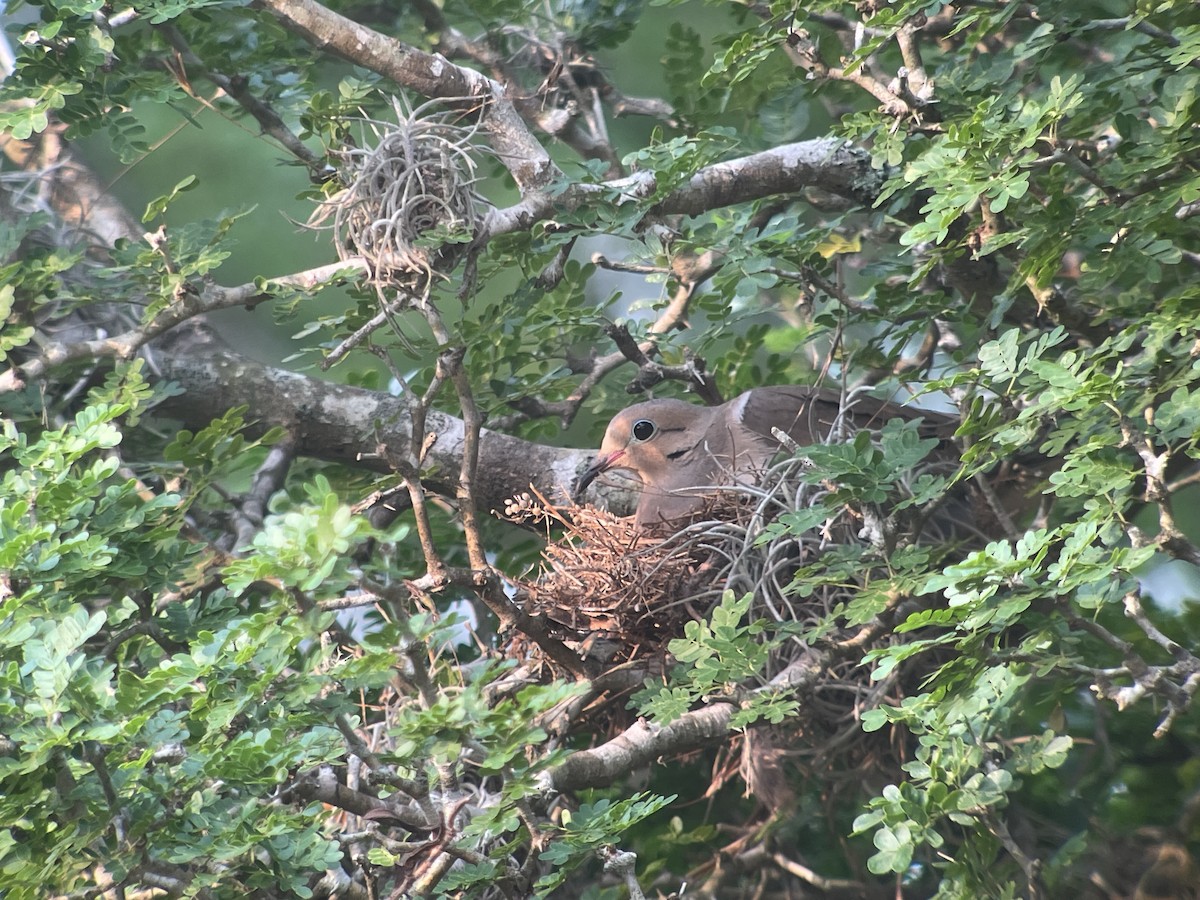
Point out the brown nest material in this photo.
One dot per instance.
(611, 593)
(409, 203)
(618, 597)
(604, 576)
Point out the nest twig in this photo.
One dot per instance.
(603, 583)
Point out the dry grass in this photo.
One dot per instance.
(409, 201)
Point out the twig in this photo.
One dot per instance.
(1146, 28)
(828, 287)
(237, 88)
(354, 601)
(360, 334)
(1134, 610)
(414, 788)
(604, 262)
(672, 317)
(820, 882)
(1031, 867)
(323, 785)
(1072, 161)
(151, 629)
(1176, 684)
(186, 305)
(553, 272)
(1172, 540)
(651, 373)
(803, 51)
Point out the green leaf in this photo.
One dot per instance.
(159, 205)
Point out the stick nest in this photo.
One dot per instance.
(618, 596)
(609, 591)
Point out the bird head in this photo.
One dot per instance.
(649, 439)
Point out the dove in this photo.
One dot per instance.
(681, 451)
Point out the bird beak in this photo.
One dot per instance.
(601, 464)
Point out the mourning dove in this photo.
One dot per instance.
(680, 451)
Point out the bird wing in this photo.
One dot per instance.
(814, 415)
(806, 413)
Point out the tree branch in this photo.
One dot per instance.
(187, 305)
(323, 785)
(429, 74)
(830, 164)
(237, 89)
(643, 742)
(351, 425)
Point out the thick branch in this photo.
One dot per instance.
(827, 163)
(644, 742)
(331, 422)
(351, 425)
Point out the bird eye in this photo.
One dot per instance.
(643, 430)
